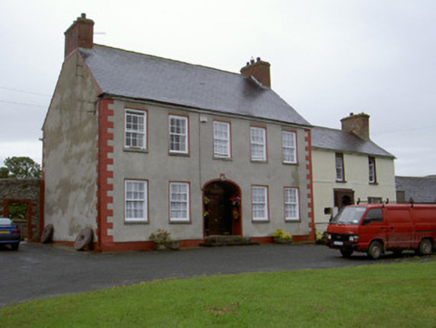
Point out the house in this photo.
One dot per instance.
(416, 189)
(133, 143)
(348, 168)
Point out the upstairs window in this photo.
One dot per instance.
(340, 174)
(135, 129)
(292, 209)
(136, 198)
(289, 147)
(178, 130)
(258, 144)
(221, 139)
(259, 196)
(179, 202)
(371, 169)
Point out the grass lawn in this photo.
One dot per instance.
(395, 295)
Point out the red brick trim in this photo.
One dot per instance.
(310, 214)
(104, 174)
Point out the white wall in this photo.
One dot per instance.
(356, 178)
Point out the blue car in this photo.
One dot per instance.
(9, 233)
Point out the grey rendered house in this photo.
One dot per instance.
(349, 167)
(133, 143)
(416, 189)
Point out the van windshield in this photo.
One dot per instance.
(349, 215)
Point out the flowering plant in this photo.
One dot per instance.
(161, 236)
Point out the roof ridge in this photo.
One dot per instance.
(163, 58)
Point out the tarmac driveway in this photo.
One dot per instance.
(40, 271)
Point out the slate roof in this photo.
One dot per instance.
(421, 189)
(338, 140)
(134, 75)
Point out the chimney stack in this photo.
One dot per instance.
(79, 35)
(357, 124)
(258, 69)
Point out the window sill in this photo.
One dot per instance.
(341, 181)
(292, 221)
(179, 154)
(132, 222)
(135, 150)
(259, 161)
(225, 159)
(290, 163)
(373, 183)
(260, 221)
(180, 222)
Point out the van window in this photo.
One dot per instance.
(349, 215)
(374, 215)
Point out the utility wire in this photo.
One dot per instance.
(405, 129)
(20, 103)
(23, 91)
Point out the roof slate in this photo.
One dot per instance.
(421, 189)
(338, 140)
(139, 76)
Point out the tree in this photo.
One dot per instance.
(4, 173)
(20, 168)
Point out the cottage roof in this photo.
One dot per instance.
(421, 189)
(338, 140)
(139, 76)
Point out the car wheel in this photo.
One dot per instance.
(15, 246)
(375, 250)
(425, 247)
(346, 253)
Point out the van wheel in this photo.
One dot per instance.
(425, 247)
(346, 252)
(375, 249)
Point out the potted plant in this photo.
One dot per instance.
(162, 241)
(281, 237)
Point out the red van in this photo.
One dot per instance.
(378, 228)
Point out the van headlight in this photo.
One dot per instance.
(354, 238)
(329, 236)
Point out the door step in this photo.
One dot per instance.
(218, 241)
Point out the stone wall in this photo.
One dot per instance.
(30, 192)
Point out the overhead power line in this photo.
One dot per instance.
(23, 104)
(24, 91)
(405, 129)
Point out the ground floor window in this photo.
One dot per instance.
(259, 196)
(179, 202)
(292, 211)
(136, 199)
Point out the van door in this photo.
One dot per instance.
(399, 228)
(372, 227)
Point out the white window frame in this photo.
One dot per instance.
(372, 177)
(138, 197)
(179, 202)
(339, 166)
(289, 150)
(258, 205)
(138, 134)
(184, 137)
(221, 139)
(292, 204)
(254, 144)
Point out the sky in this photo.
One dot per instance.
(329, 58)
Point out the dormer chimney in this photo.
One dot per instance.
(259, 69)
(79, 35)
(357, 124)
